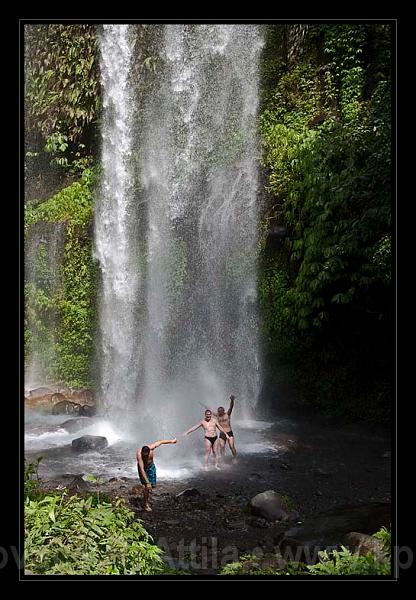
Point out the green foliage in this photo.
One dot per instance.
(31, 478)
(61, 93)
(384, 535)
(337, 562)
(253, 565)
(74, 536)
(72, 204)
(343, 562)
(343, 46)
(92, 478)
(60, 321)
(273, 288)
(326, 145)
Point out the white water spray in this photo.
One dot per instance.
(187, 318)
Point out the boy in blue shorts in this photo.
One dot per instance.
(147, 470)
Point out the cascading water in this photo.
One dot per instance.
(178, 310)
(114, 225)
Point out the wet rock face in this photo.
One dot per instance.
(82, 394)
(270, 506)
(39, 392)
(61, 401)
(58, 397)
(66, 407)
(89, 442)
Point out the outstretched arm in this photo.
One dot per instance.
(193, 428)
(160, 442)
(221, 429)
(230, 410)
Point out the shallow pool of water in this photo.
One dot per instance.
(45, 436)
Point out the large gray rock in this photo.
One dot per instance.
(270, 506)
(89, 442)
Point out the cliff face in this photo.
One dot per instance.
(325, 256)
(60, 287)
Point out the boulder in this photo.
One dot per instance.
(87, 411)
(270, 506)
(39, 402)
(47, 402)
(363, 544)
(66, 407)
(89, 442)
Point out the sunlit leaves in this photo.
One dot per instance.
(76, 536)
(61, 89)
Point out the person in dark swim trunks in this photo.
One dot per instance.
(209, 426)
(224, 419)
(147, 470)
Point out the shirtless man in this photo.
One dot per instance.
(147, 470)
(209, 426)
(224, 419)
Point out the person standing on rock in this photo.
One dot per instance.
(224, 419)
(147, 469)
(209, 425)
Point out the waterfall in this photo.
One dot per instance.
(114, 239)
(179, 319)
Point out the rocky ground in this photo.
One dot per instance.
(323, 466)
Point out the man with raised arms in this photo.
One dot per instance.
(224, 419)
